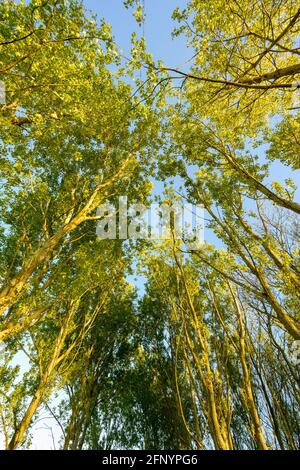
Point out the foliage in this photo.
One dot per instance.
(201, 359)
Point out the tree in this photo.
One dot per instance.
(199, 358)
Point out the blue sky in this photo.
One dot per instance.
(157, 28)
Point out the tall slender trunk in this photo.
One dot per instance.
(288, 323)
(219, 429)
(10, 293)
(20, 432)
(250, 402)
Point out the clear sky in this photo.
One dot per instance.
(157, 29)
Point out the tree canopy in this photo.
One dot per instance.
(205, 355)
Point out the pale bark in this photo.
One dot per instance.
(250, 402)
(10, 293)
